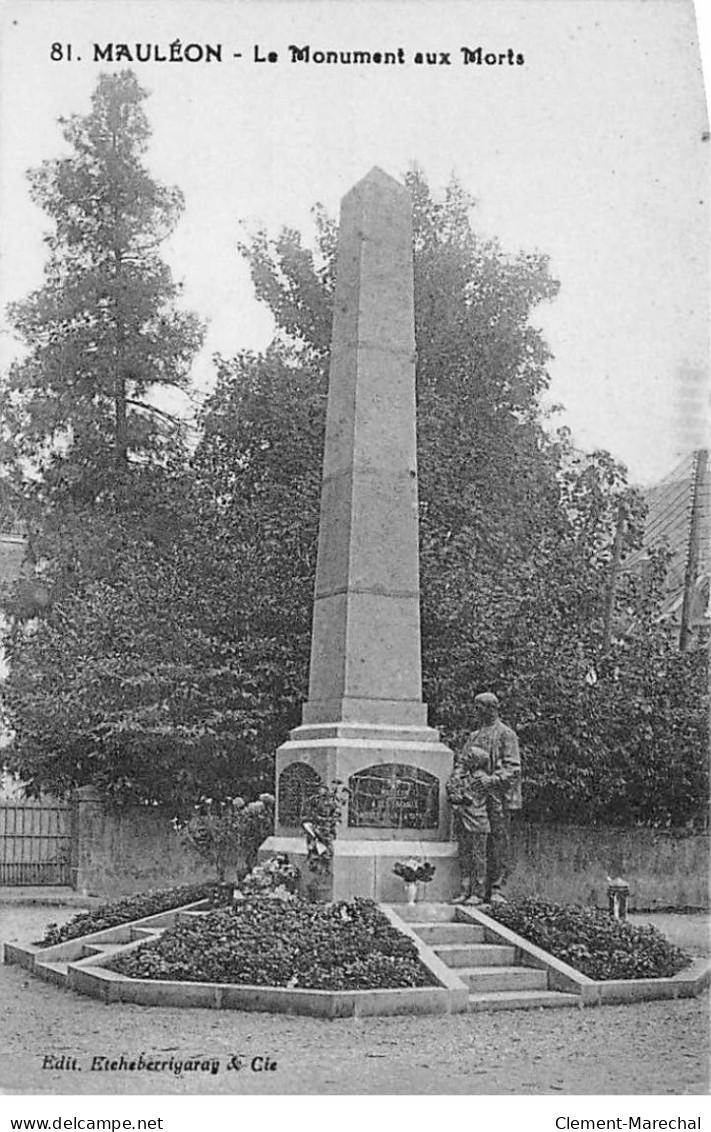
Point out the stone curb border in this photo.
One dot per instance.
(80, 964)
(27, 955)
(52, 963)
(561, 977)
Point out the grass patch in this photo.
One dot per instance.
(284, 943)
(129, 908)
(592, 941)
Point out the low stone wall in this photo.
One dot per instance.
(121, 852)
(134, 849)
(570, 864)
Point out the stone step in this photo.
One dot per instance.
(522, 1000)
(485, 979)
(476, 954)
(433, 934)
(426, 913)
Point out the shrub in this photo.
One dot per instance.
(116, 912)
(285, 943)
(592, 941)
(228, 834)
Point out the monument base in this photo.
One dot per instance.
(365, 868)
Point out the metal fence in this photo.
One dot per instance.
(35, 842)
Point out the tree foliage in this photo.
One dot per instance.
(103, 333)
(125, 682)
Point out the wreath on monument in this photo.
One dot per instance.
(322, 815)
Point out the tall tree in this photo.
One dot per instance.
(103, 334)
(97, 476)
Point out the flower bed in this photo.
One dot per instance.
(127, 909)
(591, 941)
(283, 943)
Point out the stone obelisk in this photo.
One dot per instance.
(365, 723)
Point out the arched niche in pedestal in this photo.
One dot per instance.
(297, 783)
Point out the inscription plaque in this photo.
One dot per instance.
(394, 795)
(298, 783)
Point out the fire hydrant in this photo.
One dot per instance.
(618, 892)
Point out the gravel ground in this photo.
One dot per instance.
(653, 1048)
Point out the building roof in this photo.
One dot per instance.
(670, 506)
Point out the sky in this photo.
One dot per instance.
(591, 151)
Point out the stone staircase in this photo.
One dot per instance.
(496, 978)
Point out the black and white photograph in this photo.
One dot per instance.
(354, 560)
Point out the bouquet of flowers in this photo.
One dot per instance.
(273, 877)
(414, 869)
(458, 787)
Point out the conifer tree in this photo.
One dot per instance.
(103, 333)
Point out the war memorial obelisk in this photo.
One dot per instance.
(365, 723)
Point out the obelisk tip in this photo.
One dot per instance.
(380, 181)
(378, 174)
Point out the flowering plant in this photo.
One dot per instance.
(228, 833)
(274, 877)
(414, 869)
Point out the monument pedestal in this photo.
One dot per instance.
(396, 806)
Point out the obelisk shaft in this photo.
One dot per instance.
(365, 724)
(365, 651)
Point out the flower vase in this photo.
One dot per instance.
(411, 889)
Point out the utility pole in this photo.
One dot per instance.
(692, 559)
